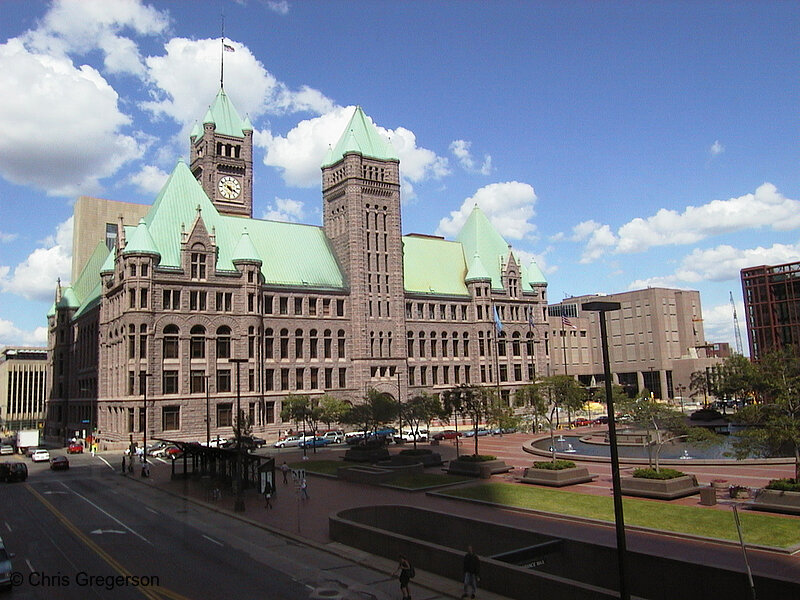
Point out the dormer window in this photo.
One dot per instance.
(198, 265)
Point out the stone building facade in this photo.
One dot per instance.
(144, 336)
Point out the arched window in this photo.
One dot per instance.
(444, 344)
(515, 345)
(198, 342)
(269, 343)
(433, 343)
(410, 344)
(284, 343)
(142, 341)
(327, 343)
(132, 341)
(529, 343)
(340, 343)
(466, 345)
(298, 343)
(422, 344)
(501, 344)
(313, 342)
(224, 342)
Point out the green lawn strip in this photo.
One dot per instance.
(323, 467)
(767, 530)
(415, 481)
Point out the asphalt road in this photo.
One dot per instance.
(91, 533)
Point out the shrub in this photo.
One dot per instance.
(784, 485)
(660, 474)
(476, 457)
(558, 465)
(417, 452)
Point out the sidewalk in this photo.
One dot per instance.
(306, 521)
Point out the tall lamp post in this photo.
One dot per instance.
(238, 504)
(619, 519)
(143, 375)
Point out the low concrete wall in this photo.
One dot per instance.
(777, 501)
(662, 489)
(557, 478)
(477, 469)
(549, 567)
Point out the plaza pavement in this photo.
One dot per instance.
(306, 521)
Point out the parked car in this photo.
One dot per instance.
(291, 441)
(335, 437)
(410, 436)
(75, 448)
(314, 442)
(447, 434)
(601, 420)
(581, 422)
(13, 471)
(59, 463)
(6, 449)
(40, 455)
(6, 569)
(164, 450)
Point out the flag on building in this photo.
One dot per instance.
(531, 324)
(565, 322)
(228, 48)
(497, 323)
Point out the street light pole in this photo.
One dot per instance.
(238, 505)
(143, 375)
(601, 308)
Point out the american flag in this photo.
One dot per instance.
(565, 322)
(228, 48)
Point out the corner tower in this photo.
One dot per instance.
(221, 157)
(361, 217)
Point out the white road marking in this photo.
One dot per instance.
(105, 461)
(113, 518)
(213, 540)
(30, 566)
(155, 512)
(8, 526)
(102, 531)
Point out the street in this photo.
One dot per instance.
(91, 532)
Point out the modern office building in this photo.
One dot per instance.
(145, 336)
(23, 387)
(656, 340)
(772, 307)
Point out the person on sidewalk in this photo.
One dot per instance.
(472, 569)
(404, 573)
(268, 495)
(123, 464)
(304, 489)
(285, 471)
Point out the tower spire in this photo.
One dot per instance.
(222, 53)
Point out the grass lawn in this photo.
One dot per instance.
(416, 481)
(757, 528)
(323, 467)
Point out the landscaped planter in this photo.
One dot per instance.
(477, 468)
(777, 501)
(429, 459)
(557, 478)
(368, 455)
(662, 489)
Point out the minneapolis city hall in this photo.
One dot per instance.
(170, 303)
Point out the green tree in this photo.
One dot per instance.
(554, 393)
(377, 410)
(423, 408)
(303, 411)
(472, 401)
(736, 377)
(661, 425)
(773, 424)
(526, 398)
(332, 409)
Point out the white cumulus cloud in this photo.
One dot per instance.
(461, 150)
(509, 206)
(716, 148)
(86, 122)
(285, 209)
(11, 335)
(149, 179)
(599, 238)
(35, 277)
(278, 6)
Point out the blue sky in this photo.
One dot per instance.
(621, 144)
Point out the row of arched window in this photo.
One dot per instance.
(422, 346)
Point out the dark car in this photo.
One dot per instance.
(447, 434)
(59, 463)
(13, 471)
(315, 442)
(5, 566)
(601, 420)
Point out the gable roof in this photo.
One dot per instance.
(223, 115)
(433, 266)
(361, 136)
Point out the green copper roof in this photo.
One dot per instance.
(477, 271)
(479, 237)
(141, 242)
(534, 274)
(197, 131)
(246, 124)
(92, 300)
(245, 251)
(361, 136)
(290, 254)
(68, 299)
(223, 114)
(433, 266)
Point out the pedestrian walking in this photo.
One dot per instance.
(405, 573)
(123, 464)
(285, 471)
(472, 570)
(304, 489)
(268, 495)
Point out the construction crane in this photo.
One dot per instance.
(736, 331)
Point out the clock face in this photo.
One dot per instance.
(229, 187)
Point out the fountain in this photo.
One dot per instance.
(685, 456)
(570, 449)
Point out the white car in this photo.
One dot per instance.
(292, 440)
(410, 436)
(335, 437)
(6, 449)
(40, 456)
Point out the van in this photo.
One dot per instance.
(334, 437)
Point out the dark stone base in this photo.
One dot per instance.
(477, 469)
(661, 489)
(366, 455)
(777, 501)
(557, 478)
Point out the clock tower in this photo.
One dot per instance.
(221, 157)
